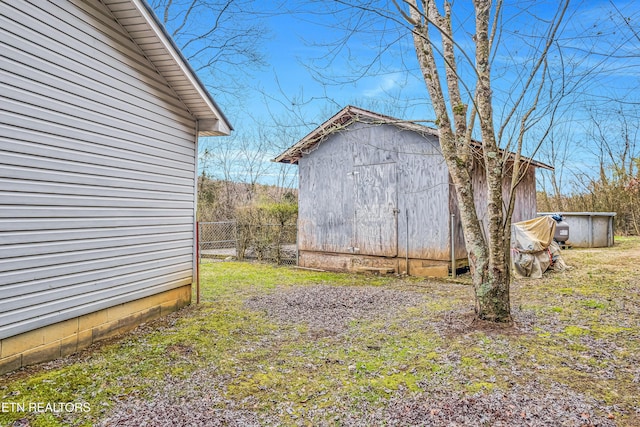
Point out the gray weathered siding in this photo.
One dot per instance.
(380, 190)
(359, 186)
(326, 207)
(525, 205)
(97, 160)
(424, 194)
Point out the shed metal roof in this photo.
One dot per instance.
(351, 114)
(139, 20)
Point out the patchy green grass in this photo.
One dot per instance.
(579, 329)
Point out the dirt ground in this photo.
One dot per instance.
(276, 346)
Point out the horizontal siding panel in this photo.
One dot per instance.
(13, 185)
(56, 200)
(69, 247)
(135, 25)
(92, 21)
(80, 212)
(90, 104)
(86, 304)
(57, 259)
(41, 175)
(19, 115)
(177, 263)
(82, 104)
(79, 74)
(87, 21)
(33, 224)
(33, 295)
(37, 272)
(93, 160)
(97, 167)
(61, 37)
(88, 125)
(33, 162)
(35, 128)
(116, 149)
(76, 233)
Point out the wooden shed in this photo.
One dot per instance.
(375, 194)
(98, 158)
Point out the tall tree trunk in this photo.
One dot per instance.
(492, 294)
(487, 256)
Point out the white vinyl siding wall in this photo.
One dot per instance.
(97, 163)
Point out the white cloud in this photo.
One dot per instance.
(385, 85)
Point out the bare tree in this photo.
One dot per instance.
(557, 154)
(218, 39)
(223, 40)
(488, 254)
(615, 132)
(457, 48)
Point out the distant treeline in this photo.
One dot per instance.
(220, 200)
(619, 193)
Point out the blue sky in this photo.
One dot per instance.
(284, 99)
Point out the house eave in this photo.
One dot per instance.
(139, 20)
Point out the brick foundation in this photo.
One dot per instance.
(65, 338)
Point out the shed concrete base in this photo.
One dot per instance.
(365, 263)
(65, 338)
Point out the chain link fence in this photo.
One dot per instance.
(238, 241)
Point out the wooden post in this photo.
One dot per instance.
(406, 214)
(197, 262)
(453, 247)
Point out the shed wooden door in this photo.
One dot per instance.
(376, 225)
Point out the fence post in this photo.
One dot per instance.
(453, 247)
(197, 262)
(406, 254)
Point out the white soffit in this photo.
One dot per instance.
(137, 18)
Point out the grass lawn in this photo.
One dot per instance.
(276, 345)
